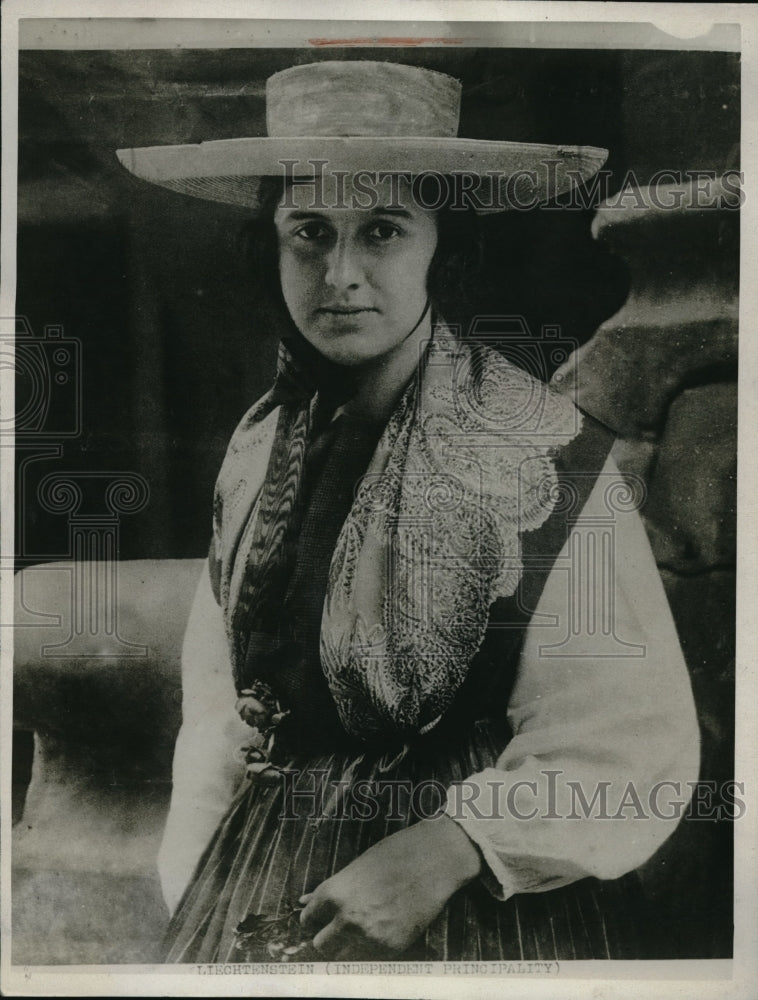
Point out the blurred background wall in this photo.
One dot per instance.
(170, 346)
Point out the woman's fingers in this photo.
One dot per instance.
(319, 910)
(327, 941)
(252, 711)
(338, 940)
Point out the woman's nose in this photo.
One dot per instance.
(343, 267)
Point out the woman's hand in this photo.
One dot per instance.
(384, 899)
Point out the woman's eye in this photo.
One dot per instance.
(384, 231)
(311, 231)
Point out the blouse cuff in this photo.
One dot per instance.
(474, 805)
(495, 875)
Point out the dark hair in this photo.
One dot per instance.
(453, 277)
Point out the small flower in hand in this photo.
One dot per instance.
(262, 937)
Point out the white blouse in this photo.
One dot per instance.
(605, 738)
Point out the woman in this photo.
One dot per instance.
(396, 539)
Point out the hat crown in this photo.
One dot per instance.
(362, 98)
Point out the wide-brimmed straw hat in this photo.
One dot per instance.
(359, 115)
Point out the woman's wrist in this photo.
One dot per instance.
(458, 857)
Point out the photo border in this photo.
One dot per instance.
(548, 24)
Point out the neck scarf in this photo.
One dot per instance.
(463, 468)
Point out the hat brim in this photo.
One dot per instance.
(505, 174)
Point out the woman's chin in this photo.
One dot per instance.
(352, 352)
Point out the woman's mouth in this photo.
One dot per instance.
(345, 310)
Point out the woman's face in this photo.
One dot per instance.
(355, 280)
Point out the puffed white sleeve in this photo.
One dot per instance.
(208, 765)
(605, 737)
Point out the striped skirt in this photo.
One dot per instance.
(278, 842)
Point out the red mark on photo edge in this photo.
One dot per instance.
(386, 41)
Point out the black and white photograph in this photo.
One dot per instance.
(370, 501)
